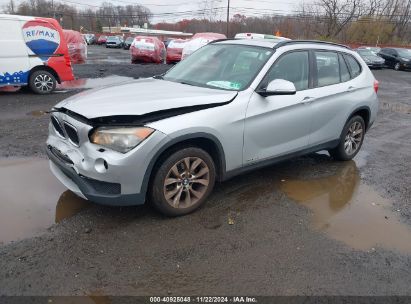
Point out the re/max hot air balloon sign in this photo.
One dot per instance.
(41, 38)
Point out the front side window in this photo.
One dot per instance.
(221, 66)
(354, 65)
(293, 67)
(328, 68)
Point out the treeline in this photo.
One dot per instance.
(356, 21)
(91, 19)
(350, 21)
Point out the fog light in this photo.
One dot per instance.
(101, 165)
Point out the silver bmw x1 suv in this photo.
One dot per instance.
(232, 106)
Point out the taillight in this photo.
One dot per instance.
(376, 85)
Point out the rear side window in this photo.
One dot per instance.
(354, 66)
(328, 68)
(345, 73)
(293, 67)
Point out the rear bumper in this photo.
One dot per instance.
(94, 190)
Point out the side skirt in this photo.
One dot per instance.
(267, 162)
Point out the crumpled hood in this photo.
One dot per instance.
(141, 97)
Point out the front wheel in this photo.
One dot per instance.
(42, 82)
(397, 66)
(351, 139)
(183, 182)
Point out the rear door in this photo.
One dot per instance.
(279, 125)
(332, 95)
(14, 62)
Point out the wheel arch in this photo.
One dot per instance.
(205, 141)
(45, 68)
(364, 112)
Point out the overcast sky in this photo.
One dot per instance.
(174, 10)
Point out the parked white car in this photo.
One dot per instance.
(198, 41)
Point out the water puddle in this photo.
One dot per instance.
(37, 113)
(349, 211)
(93, 83)
(32, 199)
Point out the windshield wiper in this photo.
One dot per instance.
(161, 76)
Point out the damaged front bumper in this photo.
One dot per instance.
(97, 173)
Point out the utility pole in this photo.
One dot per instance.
(228, 17)
(52, 8)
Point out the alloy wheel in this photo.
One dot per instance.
(44, 83)
(186, 182)
(397, 66)
(353, 138)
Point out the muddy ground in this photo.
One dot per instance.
(309, 226)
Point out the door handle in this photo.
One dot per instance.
(307, 100)
(350, 89)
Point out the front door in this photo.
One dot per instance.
(278, 125)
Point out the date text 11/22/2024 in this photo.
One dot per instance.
(203, 300)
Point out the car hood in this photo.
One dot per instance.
(141, 97)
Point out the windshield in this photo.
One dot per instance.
(113, 39)
(404, 53)
(221, 66)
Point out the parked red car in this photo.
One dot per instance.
(175, 50)
(102, 40)
(147, 49)
(77, 46)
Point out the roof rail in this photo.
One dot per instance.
(288, 42)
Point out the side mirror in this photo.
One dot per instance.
(278, 87)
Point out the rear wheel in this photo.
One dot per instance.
(183, 182)
(42, 82)
(351, 139)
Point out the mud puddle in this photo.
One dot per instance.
(32, 199)
(396, 107)
(93, 83)
(350, 211)
(37, 113)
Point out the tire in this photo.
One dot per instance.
(351, 139)
(186, 189)
(42, 82)
(397, 66)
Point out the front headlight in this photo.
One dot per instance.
(405, 59)
(121, 139)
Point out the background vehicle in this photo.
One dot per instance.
(77, 46)
(128, 42)
(102, 40)
(147, 49)
(371, 59)
(373, 49)
(33, 52)
(259, 36)
(114, 42)
(90, 38)
(199, 40)
(175, 50)
(397, 58)
(232, 106)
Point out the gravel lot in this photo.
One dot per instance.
(309, 226)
